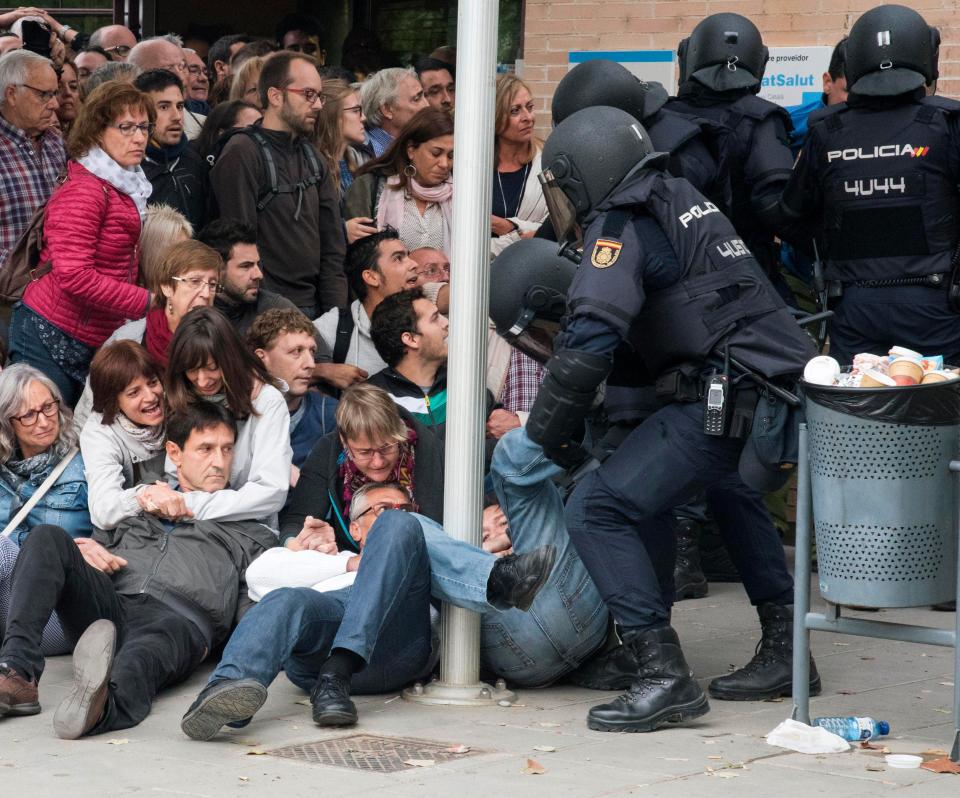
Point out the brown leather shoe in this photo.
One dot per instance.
(17, 695)
(83, 707)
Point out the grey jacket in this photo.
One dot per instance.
(196, 568)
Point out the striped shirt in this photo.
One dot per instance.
(379, 140)
(27, 179)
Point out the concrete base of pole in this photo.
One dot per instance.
(461, 695)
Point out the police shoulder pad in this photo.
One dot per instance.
(605, 253)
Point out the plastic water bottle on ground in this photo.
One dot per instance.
(853, 729)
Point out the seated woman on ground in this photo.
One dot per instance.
(208, 362)
(36, 434)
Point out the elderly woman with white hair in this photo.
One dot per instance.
(390, 98)
(37, 436)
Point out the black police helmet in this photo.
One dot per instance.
(724, 52)
(591, 152)
(890, 51)
(529, 282)
(602, 82)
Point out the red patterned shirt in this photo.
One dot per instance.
(28, 176)
(524, 376)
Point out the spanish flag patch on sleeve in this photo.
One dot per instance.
(605, 253)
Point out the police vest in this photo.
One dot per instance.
(888, 179)
(694, 150)
(722, 302)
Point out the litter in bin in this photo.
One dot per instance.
(898, 368)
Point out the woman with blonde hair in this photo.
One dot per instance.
(245, 79)
(518, 204)
(163, 227)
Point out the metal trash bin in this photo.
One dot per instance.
(884, 498)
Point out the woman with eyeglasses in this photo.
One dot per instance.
(90, 257)
(36, 433)
(340, 129)
(208, 362)
(375, 441)
(187, 278)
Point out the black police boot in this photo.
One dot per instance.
(611, 667)
(663, 688)
(714, 557)
(688, 578)
(330, 699)
(516, 579)
(770, 673)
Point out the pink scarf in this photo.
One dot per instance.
(393, 201)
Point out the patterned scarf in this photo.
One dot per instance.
(30, 469)
(129, 180)
(152, 438)
(353, 478)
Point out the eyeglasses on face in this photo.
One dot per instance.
(121, 49)
(381, 507)
(28, 419)
(353, 109)
(197, 283)
(129, 128)
(195, 70)
(42, 94)
(310, 95)
(365, 455)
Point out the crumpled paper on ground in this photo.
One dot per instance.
(796, 736)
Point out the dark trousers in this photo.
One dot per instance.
(620, 517)
(26, 347)
(913, 316)
(156, 647)
(384, 617)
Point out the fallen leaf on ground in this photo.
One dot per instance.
(304, 701)
(118, 741)
(842, 644)
(458, 749)
(846, 692)
(777, 700)
(947, 684)
(866, 745)
(533, 768)
(934, 752)
(420, 763)
(942, 765)
(256, 752)
(876, 768)
(547, 749)
(942, 711)
(549, 725)
(714, 757)
(244, 778)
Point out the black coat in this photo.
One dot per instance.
(180, 182)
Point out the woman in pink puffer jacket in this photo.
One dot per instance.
(91, 231)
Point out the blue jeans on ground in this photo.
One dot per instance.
(567, 621)
(620, 516)
(384, 617)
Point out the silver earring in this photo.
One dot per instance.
(410, 170)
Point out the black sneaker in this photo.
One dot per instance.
(223, 702)
(516, 579)
(330, 699)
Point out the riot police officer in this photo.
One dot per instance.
(721, 70)
(878, 176)
(665, 269)
(691, 143)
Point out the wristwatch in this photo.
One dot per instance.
(62, 35)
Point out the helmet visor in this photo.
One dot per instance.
(533, 336)
(563, 215)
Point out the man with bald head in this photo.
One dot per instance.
(162, 53)
(116, 40)
(31, 150)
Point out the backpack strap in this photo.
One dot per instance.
(269, 163)
(345, 325)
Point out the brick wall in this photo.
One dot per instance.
(554, 27)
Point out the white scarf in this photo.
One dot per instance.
(130, 180)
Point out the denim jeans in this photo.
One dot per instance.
(28, 348)
(567, 620)
(156, 647)
(620, 516)
(384, 617)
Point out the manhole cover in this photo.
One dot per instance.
(370, 752)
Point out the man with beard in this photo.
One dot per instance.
(271, 177)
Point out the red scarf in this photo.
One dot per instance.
(158, 335)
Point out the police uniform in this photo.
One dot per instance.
(879, 176)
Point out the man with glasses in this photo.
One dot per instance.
(32, 155)
(271, 177)
(198, 82)
(162, 52)
(175, 170)
(116, 40)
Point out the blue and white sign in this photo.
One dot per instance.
(648, 65)
(794, 75)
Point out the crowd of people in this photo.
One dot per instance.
(223, 408)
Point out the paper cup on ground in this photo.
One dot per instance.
(903, 760)
(905, 367)
(876, 379)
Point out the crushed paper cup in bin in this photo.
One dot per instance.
(906, 371)
(877, 379)
(938, 376)
(822, 370)
(804, 739)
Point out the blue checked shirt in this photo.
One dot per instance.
(28, 177)
(380, 140)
